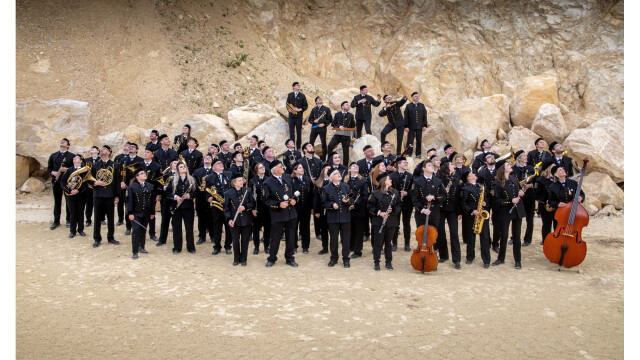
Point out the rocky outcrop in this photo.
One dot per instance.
(246, 118)
(521, 138)
(550, 124)
(529, 96)
(32, 185)
(356, 153)
(275, 132)
(22, 170)
(602, 190)
(206, 128)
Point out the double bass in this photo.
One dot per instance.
(424, 257)
(565, 246)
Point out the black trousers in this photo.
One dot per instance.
(506, 219)
(121, 203)
(76, 212)
(323, 140)
(240, 237)
(345, 141)
(218, 221)
(289, 229)
(166, 220)
(324, 230)
(103, 206)
(497, 229)
(204, 219)
(88, 206)
(451, 217)
(304, 226)
(357, 233)
(548, 220)
(179, 216)
(406, 226)
(470, 239)
(138, 233)
(399, 134)
(295, 131)
(417, 135)
(263, 220)
(152, 222)
(344, 231)
(57, 203)
(367, 225)
(530, 210)
(382, 238)
(367, 127)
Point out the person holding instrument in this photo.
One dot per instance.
(181, 192)
(296, 105)
(384, 205)
(359, 192)
(106, 194)
(336, 202)
(362, 103)
(546, 212)
(319, 119)
(59, 162)
(507, 195)
(393, 112)
(343, 123)
(140, 209)
(238, 202)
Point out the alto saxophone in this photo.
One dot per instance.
(484, 215)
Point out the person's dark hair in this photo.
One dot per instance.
(501, 175)
(154, 131)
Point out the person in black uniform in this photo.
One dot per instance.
(559, 159)
(450, 212)
(318, 210)
(448, 150)
(58, 163)
(154, 142)
(224, 153)
(221, 181)
(387, 157)
(486, 176)
(365, 165)
(458, 160)
(298, 101)
(336, 202)
(268, 156)
(304, 204)
(88, 193)
(154, 174)
(341, 120)
(427, 188)
(542, 184)
(380, 202)
(563, 189)
(239, 200)
(506, 194)
(165, 202)
(470, 195)
(165, 155)
(127, 165)
(105, 195)
(335, 163)
(290, 157)
(415, 115)
(119, 160)
(523, 171)
(417, 172)
(202, 206)
(237, 165)
(261, 217)
(123, 154)
(311, 164)
(180, 141)
(480, 160)
(181, 192)
(140, 209)
(191, 156)
(362, 103)
(278, 196)
(539, 154)
(319, 119)
(213, 150)
(393, 112)
(75, 198)
(359, 193)
(402, 181)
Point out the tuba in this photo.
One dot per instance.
(217, 201)
(75, 180)
(484, 215)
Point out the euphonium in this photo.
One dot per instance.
(75, 180)
(484, 215)
(217, 201)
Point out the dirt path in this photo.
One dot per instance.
(74, 301)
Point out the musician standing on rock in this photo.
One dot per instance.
(415, 115)
(343, 120)
(319, 119)
(362, 103)
(298, 103)
(59, 162)
(393, 112)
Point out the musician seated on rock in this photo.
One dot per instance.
(238, 203)
(290, 156)
(76, 198)
(362, 103)
(336, 202)
(387, 157)
(471, 192)
(299, 103)
(384, 205)
(319, 119)
(561, 160)
(393, 112)
(342, 120)
(140, 209)
(182, 191)
(59, 162)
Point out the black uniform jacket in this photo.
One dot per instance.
(380, 202)
(334, 194)
(275, 193)
(141, 199)
(233, 199)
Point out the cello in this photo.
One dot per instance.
(565, 246)
(424, 257)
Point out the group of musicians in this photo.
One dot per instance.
(244, 191)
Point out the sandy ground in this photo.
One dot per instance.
(74, 301)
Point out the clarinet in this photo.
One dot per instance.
(384, 221)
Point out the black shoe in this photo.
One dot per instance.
(215, 252)
(407, 248)
(419, 156)
(355, 256)
(142, 250)
(347, 264)
(322, 252)
(154, 238)
(269, 264)
(114, 242)
(292, 263)
(497, 262)
(469, 262)
(175, 251)
(331, 263)
(389, 266)
(510, 241)
(518, 265)
(526, 243)
(119, 223)
(256, 251)
(71, 235)
(266, 250)
(441, 260)
(542, 242)
(128, 232)
(376, 267)
(53, 226)
(244, 263)
(96, 244)
(68, 224)
(87, 223)
(486, 265)
(227, 251)
(458, 265)
(160, 243)
(103, 222)
(496, 249)
(295, 251)
(82, 233)
(200, 241)
(394, 247)
(134, 256)
(235, 263)
(305, 251)
(192, 251)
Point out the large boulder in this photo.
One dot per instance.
(338, 96)
(529, 96)
(274, 132)
(603, 144)
(550, 124)
(32, 185)
(600, 187)
(433, 137)
(470, 121)
(246, 118)
(22, 170)
(356, 153)
(206, 128)
(40, 125)
(521, 138)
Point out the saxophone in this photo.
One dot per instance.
(484, 215)
(217, 201)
